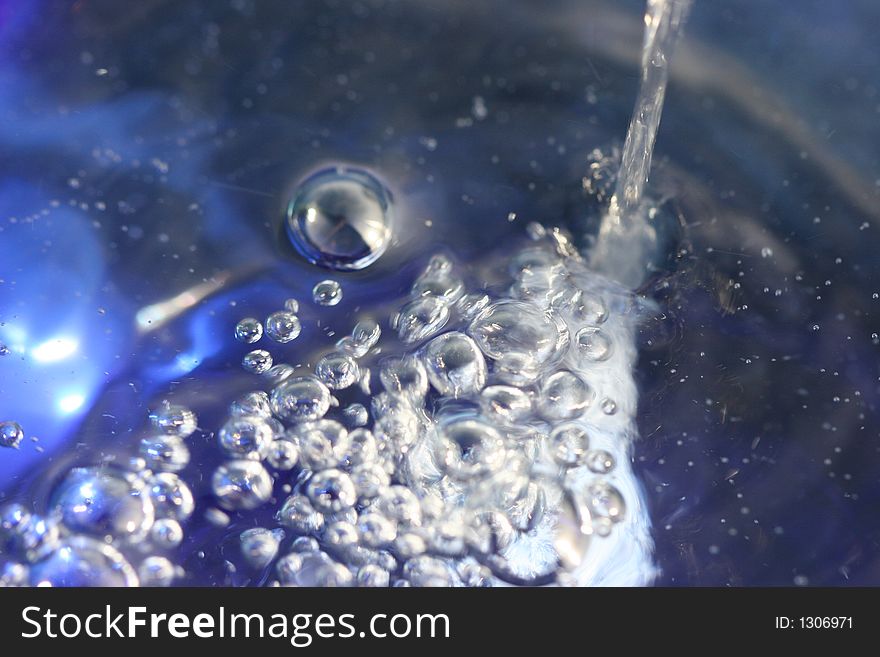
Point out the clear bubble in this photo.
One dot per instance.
(341, 536)
(248, 330)
(421, 318)
(364, 336)
(167, 453)
(609, 406)
(331, 491)
(395, 419)
(471, 449)
(376, 530)
(505, 328)
(599, 461)
(259, 546)
(174, 419)
(166, 533)
(369, 479)
(156, 571)
(355, 415)
(299, 514)
(438, 283)
(505, 404)
(455, 365)
(254, 403)
(11, 434)
(241, 485)
(278, 373)
(84, 561)
(246, 437)
(400, 504)
(282, 455)
(406, 376)
(569, 443)
(592, 344)
(374, 576)
(301, 399)
(327, 293)
(257, 361)
(291, 305)
(337, 370)
(340, 218)
(564, 396)
(470, 305)
(103, 502)
(171, 497)
(590, 310)
(425, 571)
(283, 326)
(605, 501)
(362, 448)
(312, 569)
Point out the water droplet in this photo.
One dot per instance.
(248, 330)
(340, 218)
(564, 396)
(301, 399)
(421, 318)
(327, 293)
(455, 365)
(337, 370)
(241, 485)
(11, 434)
(283, 326)
(103, 502)
(257, 361)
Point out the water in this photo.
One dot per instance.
(165, 231)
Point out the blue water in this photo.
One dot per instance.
(150, 152)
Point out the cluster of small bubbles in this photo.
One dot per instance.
(283, 326)
(11, 434)
(327, 293)
(241, 484)
(258, 361)
(259, 546)
(337, 370)
(248, 330)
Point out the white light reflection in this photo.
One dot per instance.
(54, 350)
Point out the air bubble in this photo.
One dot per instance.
(168, 453)
(421, 318)
(592, 344)
(564, 396)
(505, 404)
(302, 399)
(11, 434)
(455, 365)
(241, 485)
(327, 293)
(283, 326)
(83, 561)
(337, 370)
(340, 218)
(247, 437)
(174, 419)
(257, 361)
(259, 546)
(569, 443)
(248, 330)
